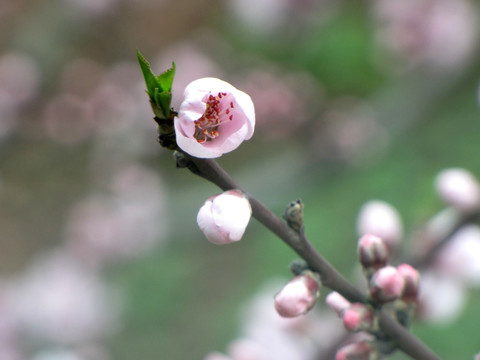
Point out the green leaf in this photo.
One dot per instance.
(159, 88)
(163, 99)
(150, 79)
(166, 79)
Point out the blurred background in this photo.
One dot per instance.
(100, 254)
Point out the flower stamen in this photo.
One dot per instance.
(207, 126)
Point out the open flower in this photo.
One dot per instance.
(224, 218)
(214, 118)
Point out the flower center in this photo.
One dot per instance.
(218, 110)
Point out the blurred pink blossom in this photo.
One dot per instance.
(120, 224)
(381, 219)
(82, 352)
(460, 257)
(67, 120)
(93, 7)
(246, 349)
(19, 83)
(19, 78)
(112, 109)
(441, 298)
(361, 350)
(80, 77)
(283, 103)
(214, 118)
(217, 356)
(458, 188)
(348, 131)
(261, 15)
(288, 338)
(442, 33)
(10, 336)
(59, 301)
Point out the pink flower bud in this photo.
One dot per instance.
(337, 302)
(372, 252)
(214, 118)
(357, 351)
(459, 188)
(386, 284)
(298, 296)
(359, 317)
(380, 219)
(412, 281)
(224, 218)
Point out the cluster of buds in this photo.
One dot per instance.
(387, 284)
(356, 317)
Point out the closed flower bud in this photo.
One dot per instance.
(372, 253)
(386, 285)
(224, 218)
(298, 296)
(458, 188)
(214, 118)
(362, 350)
(359, 317)
(337, 302)
(412, 281)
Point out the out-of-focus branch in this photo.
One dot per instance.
(441, 237)
(331, 278)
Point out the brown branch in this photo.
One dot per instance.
(331, 278)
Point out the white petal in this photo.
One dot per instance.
(224, 218)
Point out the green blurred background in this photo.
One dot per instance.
(356, 100)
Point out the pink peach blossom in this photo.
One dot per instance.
(372, 252)
(337, 302)
(224, 218)
(214, 118)
(359, 317)
(362, 350)
(412, 281)
(297, 297)
(386, 285)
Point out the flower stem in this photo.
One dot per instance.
(331, 278)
